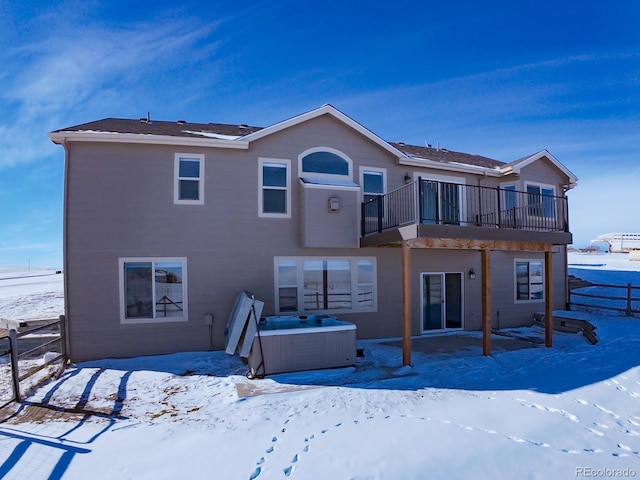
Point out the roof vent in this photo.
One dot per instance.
(400, 143)
(146, 120)
(243, 125)
(181, 122)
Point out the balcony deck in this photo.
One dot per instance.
(449, 215)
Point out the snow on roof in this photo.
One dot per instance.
(213, 135)
(329, 182)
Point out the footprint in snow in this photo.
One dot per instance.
(605, 410)
(567, 450)
(256, 473)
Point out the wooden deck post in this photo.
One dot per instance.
(486, 302)
(548, 299)
(406, 304)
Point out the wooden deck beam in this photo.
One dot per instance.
(464, 244)
(548, 299)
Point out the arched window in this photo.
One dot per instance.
(325, 162)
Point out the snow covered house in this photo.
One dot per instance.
(165, 222)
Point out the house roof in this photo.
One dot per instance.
(447, 156)
(222, 135)
(517, 165)
(179, 128)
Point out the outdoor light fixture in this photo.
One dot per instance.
(334, 204)
(407, 178)
(472, 274)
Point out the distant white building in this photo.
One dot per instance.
(619, 242)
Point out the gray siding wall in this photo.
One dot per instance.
(120, 204)
(323, 228)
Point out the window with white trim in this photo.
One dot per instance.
(153, 290)
(274, 197)
(373, 182)
(325, 162)
(189, 179)
(529, 276)
(314, 284)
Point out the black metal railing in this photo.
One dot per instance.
(394, 209)
(442, 203)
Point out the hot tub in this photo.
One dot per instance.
(294, 343)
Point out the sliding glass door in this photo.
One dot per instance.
(441, 301)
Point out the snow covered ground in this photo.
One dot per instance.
(30, 294)
(572, 411)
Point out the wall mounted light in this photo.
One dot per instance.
(407, 178)
(472, 274)
(334, 205)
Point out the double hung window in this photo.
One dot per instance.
(373, 183)
(189, 179)
(275, 193)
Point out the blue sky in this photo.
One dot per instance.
(500, 79)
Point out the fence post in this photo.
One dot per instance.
(629, 312)
(15, 370)
(63, 335)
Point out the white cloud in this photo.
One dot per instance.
(78, 69)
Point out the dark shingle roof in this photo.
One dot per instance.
(157, 127)
(447, 156)
(203, 130)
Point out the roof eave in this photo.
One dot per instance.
(519, 165)
(423, 162)
(60, 137)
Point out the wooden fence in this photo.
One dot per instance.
(25, 355)
(620, 300)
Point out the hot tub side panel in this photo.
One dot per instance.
(303, 351)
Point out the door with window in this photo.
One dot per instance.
(441, 301)
(441, 200)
